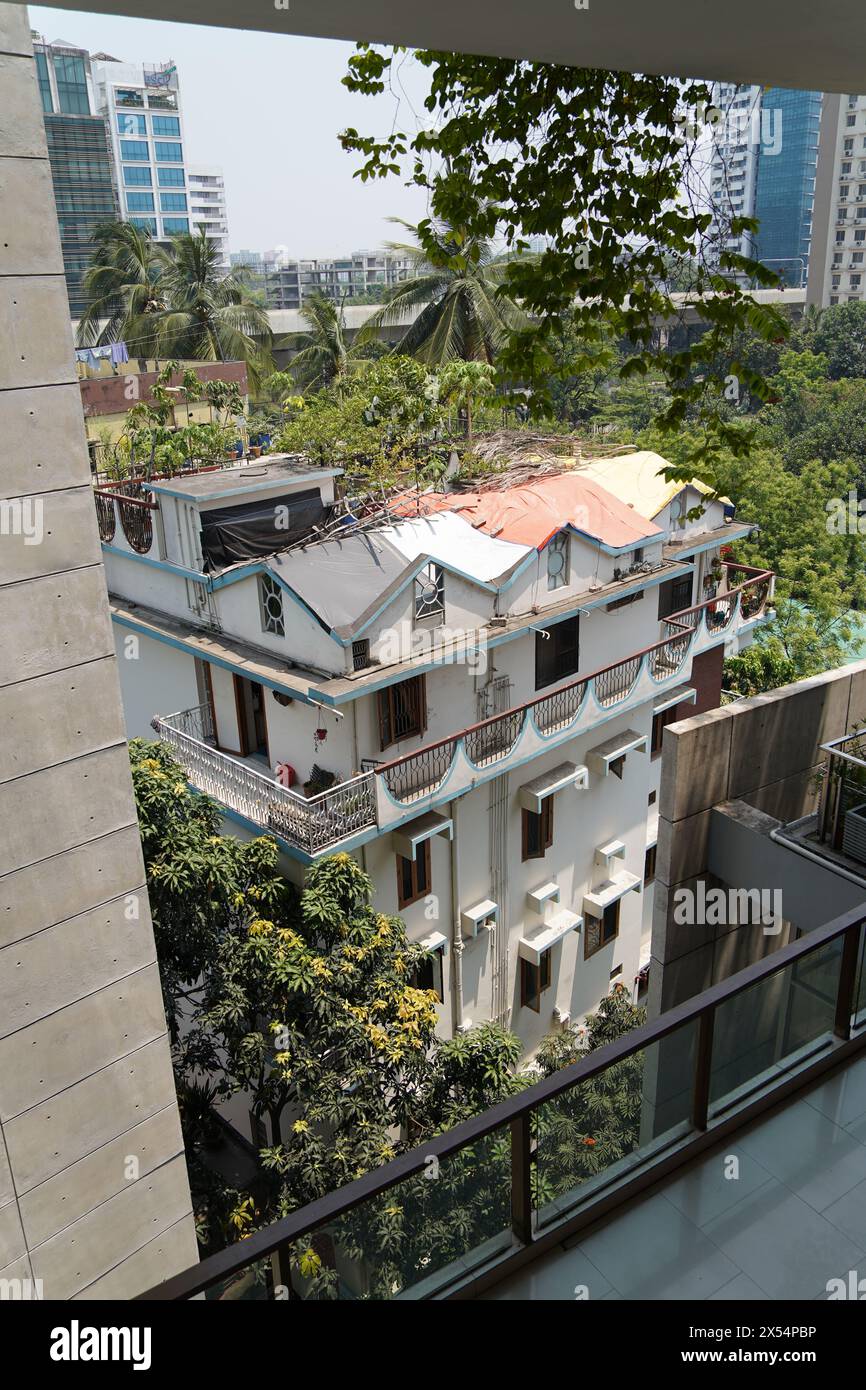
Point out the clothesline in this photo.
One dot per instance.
(115, 353)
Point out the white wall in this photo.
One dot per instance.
(154, 679)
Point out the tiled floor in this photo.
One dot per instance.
(786, 1218)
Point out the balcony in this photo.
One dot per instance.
(454, 764)
(515, 1185)
(383, 794)
(313, 825)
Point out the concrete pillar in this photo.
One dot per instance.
(94, 1198)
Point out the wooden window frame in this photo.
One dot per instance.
(534, 980)
(438, 982)
(417, 893)
(659, 724)
(649, 865)
(386, 712)
(602, 939)
(545, 830)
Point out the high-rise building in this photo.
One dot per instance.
(207, 205)
(763, 165)
(79, 155)
(836, 271)
(142, 106)
(785, 184)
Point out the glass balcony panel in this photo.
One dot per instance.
(773, 1025)
(604, 1129)
(419, 1236)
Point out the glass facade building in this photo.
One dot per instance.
(785, 181)
(80, 159)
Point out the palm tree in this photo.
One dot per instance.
(457, 285)
(323, 358)
(123, 285)
(209, 316)
(172, 300)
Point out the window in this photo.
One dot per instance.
(71, 81)
(537, 831)
(165, 125)
(430, 594)
(361, 654)
(174, 225)
(172, 202)
(402, 710)
(271, 605)
(557, 652)
(44, 82)
(413, 876)
(139, 202)
(674, 596)
(624, 602)
(651, 799)
(534, 980)
(557, 561)
(144, 224)
(136, 175)
(168, 151)
(134, 149)
(170, 178)
(128, 97)
(660, 723)
(649, 866)
(600, 931)
(428, 974)
(130, 124)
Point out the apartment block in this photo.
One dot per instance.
(467, 691)
(837, 268)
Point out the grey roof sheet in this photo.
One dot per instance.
(343, 580)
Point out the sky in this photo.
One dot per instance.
(268, 108)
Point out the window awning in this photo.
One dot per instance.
(615, 888)
(601, 757)
(537, 897)
(565, 775)
(680, 695)
(557, 926)
(434, 942)
(407, 840)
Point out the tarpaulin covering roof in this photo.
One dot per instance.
(452, 541)
(637, 478)
(532, 512)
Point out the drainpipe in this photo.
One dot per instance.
(457, 971)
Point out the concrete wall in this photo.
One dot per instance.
(763, 752)
(86, 1091)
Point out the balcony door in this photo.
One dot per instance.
(252, 720)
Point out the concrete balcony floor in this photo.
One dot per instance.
(793, 1219)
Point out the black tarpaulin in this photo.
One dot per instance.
(251, 529)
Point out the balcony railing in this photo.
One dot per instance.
(132, 502)
(466, 1208)
(313, 824)
(530, 728)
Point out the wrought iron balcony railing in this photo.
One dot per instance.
(549, 719)
(314, 825)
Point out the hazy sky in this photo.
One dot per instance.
(268, 108)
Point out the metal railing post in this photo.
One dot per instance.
(521, 1177)
(703, 1070)
(847, 984)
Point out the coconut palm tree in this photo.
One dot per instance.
(123, 286)
(172, 300)
(458, 288)
(210, 316)
(323, 357)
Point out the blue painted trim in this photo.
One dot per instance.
(239, 491)
(212, 660)
(155, 564)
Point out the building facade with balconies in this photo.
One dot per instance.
(466, 690)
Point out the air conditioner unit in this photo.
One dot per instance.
(854, 834)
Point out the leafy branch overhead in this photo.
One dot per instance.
(598, 164)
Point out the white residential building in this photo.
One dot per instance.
(207, 206)
(467, 694)
(735, 151)
(836, 269)
(157, 188)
